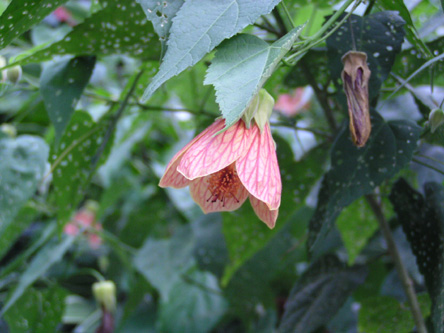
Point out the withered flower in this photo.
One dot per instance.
(355, 77)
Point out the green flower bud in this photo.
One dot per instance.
(436, 119)
(7, 130)
(105, 294)
(260, 109)
(3, 64)
(14, 74)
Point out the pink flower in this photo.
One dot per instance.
(85, 219)
(224, 169)
(292, 104)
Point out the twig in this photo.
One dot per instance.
(427, 165)
(402, 272)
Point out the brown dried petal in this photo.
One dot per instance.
(355, 76)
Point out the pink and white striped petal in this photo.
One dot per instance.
(214, 152)
(258, 169)
(202, 195)
(173, 178)
(266, 215)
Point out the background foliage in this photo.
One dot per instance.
(97, 95)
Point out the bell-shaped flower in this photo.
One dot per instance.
(224, 168)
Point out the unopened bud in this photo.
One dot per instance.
(3, 64)
(260, 109)
(355, 77)
(8, 130)
(436, 119)
(105, 294)
(14, 74)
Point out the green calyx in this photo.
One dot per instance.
(260, 110)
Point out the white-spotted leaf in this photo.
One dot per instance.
(198, 27)
(21, 15)
(117, 28)
(241, 67)
(22, 165)
(61, 85)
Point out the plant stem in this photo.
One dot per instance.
(427, 165)
(402, 271)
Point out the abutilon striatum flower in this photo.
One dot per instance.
(355, 77)
(224, 169)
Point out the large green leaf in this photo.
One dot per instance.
(189, 42)
(244, 233)
(21, 15)
(411, 33)
(37, 311)
(357, 224)
(357, 171)
(379, 35)
(319, 294)
(22, 167)
(72, 162)
(61, 85)
(241, 67)
(422, 219)
(162, 262)
(44, 259)
(195, 304)
(385, 314)
(117, 28)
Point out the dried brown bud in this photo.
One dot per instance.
(355, 76)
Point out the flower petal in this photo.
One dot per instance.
(201, 194)
(258, 169)
(214, 152)
(173, 178)
(263, 212)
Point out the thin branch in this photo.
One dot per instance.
(427, 165)
(402, 271)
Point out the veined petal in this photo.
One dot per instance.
(266, 215)
(202, 194)
(258, 169)
(173, 178)
(214, 152)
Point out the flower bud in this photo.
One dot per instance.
(7, 130)
(3, 64)
(436, 119)
(260, 109)
(14, 74)
(105, 294)
(355, 77)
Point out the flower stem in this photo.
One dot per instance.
(402, 271)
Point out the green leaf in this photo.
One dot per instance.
(409, 61)
(161, 15)
(37, 311)
(162, 262)
(411, 33)
(241, 67)
(379, 35)
(61, 85)
(12, 231)
(244, 233)
(44, 259)
(357, 171)
(195, 304)
(422, 219)
(385, 314)
(22, 166)
(117, 28)
(189, 42)
(73, 162)
(319, 294)
(21, 15)
(357, 224)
